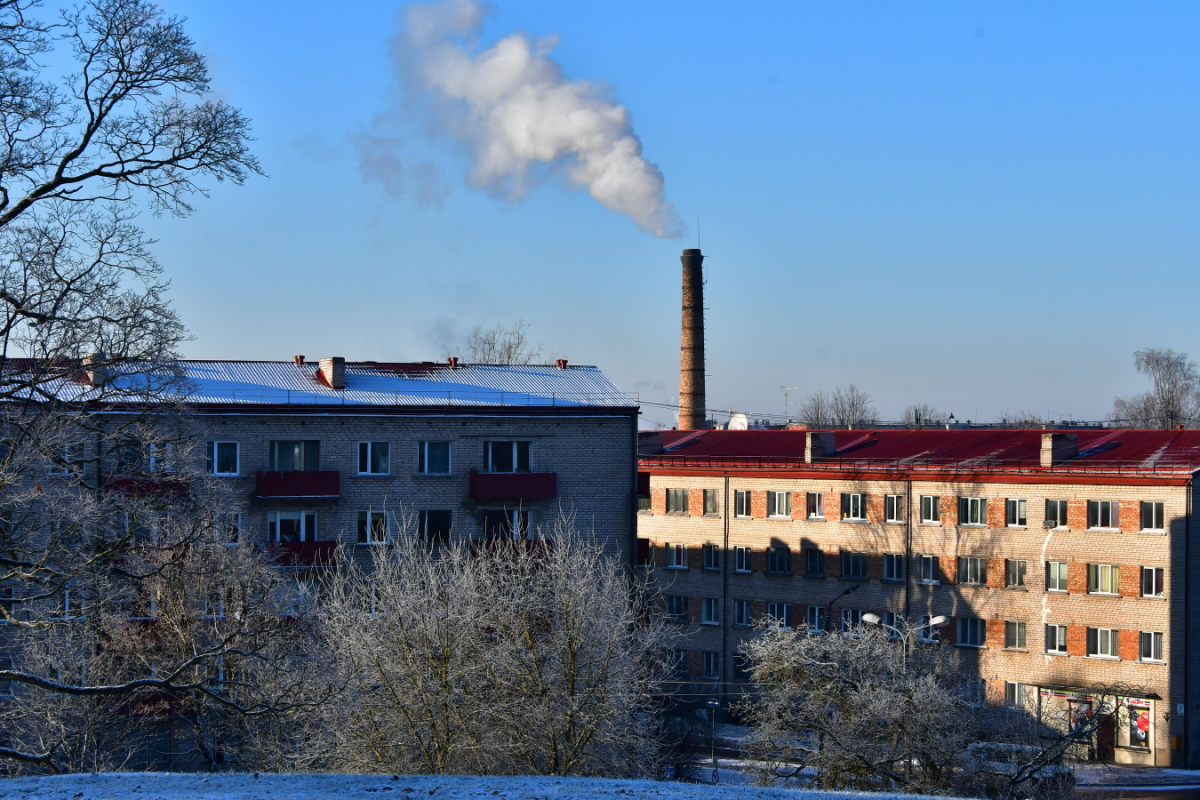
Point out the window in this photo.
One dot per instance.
(1014, 513)
(1056, 513)
(741, 613)
(928, 569)
(6, 664)
(712, 611)
(779, 505)
(505, 524)
(893, 567)
(710, 665)
(926, 632)
(230, 528)
(676, 608)
(851, 620)
(893, 508)
(1152, 581)
(854, 565)
(434, 526)
(373, 458)
(1152, 517)
(676, 556)
(815, 618)
(643, 552)
(1014, 635)
(741, 504)
(929, 510)
(677, 660)
(779, 614)
(1102, 643)
(677, 501)
(7, 604)
(816, 505)
(643, 503)
(292, 526)
(433, 458)
(222, 458)
(1103, 578)
(710, 501)
(741, 559)
(972, 511)
(372, 527)
(972, 632)
(972, 571)
(712, 557)
(1056, 576)
(779, 560)
(1014, 573)
(741, 668)
(506, 456)
(1102, 514)
(1014, 695)
(854, 506)
(295, 456)
(133, 456)
(1151, 646)
(814, 562)
(892, 623)
(1056, 639)
(214, 604)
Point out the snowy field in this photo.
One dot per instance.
(162, 786)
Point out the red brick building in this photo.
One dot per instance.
(1063, 560)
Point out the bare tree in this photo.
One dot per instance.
(1022, 419)
(852, 408)
(816, 411)
(1174, 398)
(501, 344)
(526, 657)
(923, 414)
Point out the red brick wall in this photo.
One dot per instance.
(799, 505)
(875, 508)
(658, 500)
(948, 569)
(874, 568)
(1077, 514)
(1129, 645)
(758, 560)
(995, 512)
(949, 631)
(1077, 577)
(658, 554)
(995, 633)
(798, 559)
(833, 563)
(995, 573)
(948, 510)
(1076, 640)
(1130, 516)
(1131, 580)
(758, 504)
(695, 556)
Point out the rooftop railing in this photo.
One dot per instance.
(452, 397)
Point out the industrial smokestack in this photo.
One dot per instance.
(691, 362)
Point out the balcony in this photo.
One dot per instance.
(489, 486)
(323, 485)
(306, 554)
(141, 484)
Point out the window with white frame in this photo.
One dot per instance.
(292, 455)
(507, 456)
(1056, 513)
(1103, 514)
(506, 524)
(972, 571)
(815, 618)
(892, 623)
(779, 614)
(893, 508)
(854, 565)
(1152, 516)
(930, 514)
(676, 608)
(741, 613)
(1014, 512)
(779, 560)
(712, 611)
(1103, 643)
(1152, 581)
(231, 527)
(292, 526)
(1014, 573)
(972, 511)
(927, 632)
(677, 501)
(814, 562)
(779, 505)
(1056, 576)
(741, 503)
(1151, 646)
(741, 559)
(854, 507)
(710, 502)
(852, 620)
(928, 569)
(815, 502)
(222, 458)
(373, 458)
(433, 458)
(676, 556)
(1014, 695)
(972, 632)
(893, 566)
(712, 557)
(710, 664)
(434, 525)
(1103, 578)
(214, 603)
(1014, 635)
(372, 527)
(1056, 639)
(677, 660)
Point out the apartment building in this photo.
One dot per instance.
(1062, 561)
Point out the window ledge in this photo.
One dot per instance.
(861, 578)
(742, 571)
(1103, 530)
(815, 519)
(1057, 591)
(1052, 654)
(739, 516)
(1151, 597)
(1017, 527)
(711, 569)
(972, 646)
(854, 520)
(971, 525)
(1016, 649)
(1104, 658)
(1152, 661)
(893, 522)
(1151, 532)
(711, 516)
(433, 474)
(1016, 588)
(677, 514)
(973, 586)
(816, 577)
(740, 625)
(891, 580)
(1104, 594)
(675, 567)
(777, 517)
(710, 623)
(779, 574)
(929, 583)
(370, 544)
(929, 524)
(370, 475)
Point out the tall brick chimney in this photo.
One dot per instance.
(691, 361)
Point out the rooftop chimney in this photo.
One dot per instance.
(93, 366)
(691, 362)
(453, 362)
(333, 372)
(1059, 447)
(561, 363)
(299, 360)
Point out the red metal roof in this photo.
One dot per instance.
(988, 450)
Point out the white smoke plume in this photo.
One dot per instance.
(514, 108)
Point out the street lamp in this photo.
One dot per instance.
(829, 608)
(874, 619)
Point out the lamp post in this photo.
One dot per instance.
(874, 619)
(829, 608)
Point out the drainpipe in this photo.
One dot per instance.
(1187, 600)
(908, 548)
(725, 589)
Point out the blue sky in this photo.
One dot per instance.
(983, 207)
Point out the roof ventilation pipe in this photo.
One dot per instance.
(95, 369)
(333, 372)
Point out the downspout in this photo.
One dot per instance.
(1187, 583)
(633, 510)
(908, 548)
(725, 587)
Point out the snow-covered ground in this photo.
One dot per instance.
(162, 786)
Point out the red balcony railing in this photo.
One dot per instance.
(513, 485)
(326, 484)
(306, 554)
